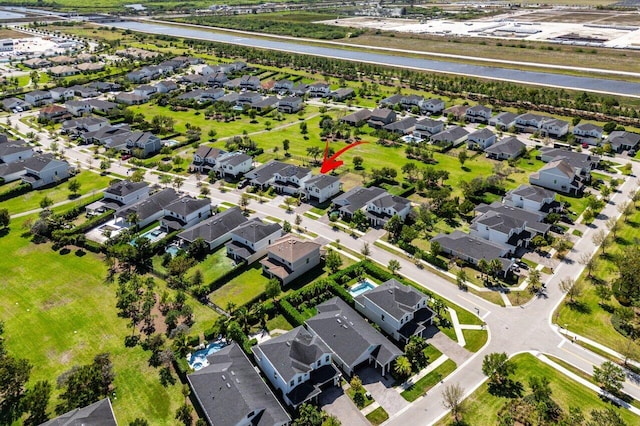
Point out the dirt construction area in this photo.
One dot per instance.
(580, 27)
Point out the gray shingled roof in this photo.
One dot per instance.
(530, 192)
(187, 205)
(215, 227)
(255, 230)
(12, 147)
(151, 205)
(97, 414)
(348, 335)
(229, 389)
(470, 246)
(394, 298)
(509, 146)
(357, 198)
(125, 187)
(265, 172)
(322, 181)
(533, 220)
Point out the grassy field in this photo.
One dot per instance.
(89, 183)
(59, 312)
(483, 407)
(242, 288)
(377, 416)
(430, 380)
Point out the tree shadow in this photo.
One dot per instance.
(507, 389)
(4, 232)
(64, 251)
(80, 253)
(580, 307)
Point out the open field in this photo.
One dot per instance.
(59, 312)
(484, 408)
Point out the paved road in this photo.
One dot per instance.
(591, 84)
(511, 330)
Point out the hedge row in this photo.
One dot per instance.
(23, 188)
(90, 224)
(92, 246)
(75, 211)
(290, 313)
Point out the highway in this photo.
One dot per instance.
(539, 78)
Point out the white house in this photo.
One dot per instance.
(146, 142)
(478, 114)
(432, 106)
(44, 170)
(185, 212)
(38, 98)
(399, 310)
(319, 90)
(503, 120)
(321, 187)
(78, 108)
(529, 122)
(62, 93)
(588, 133)
(532, 198)
(501, 228)
(290, 104)
(145, 90)
(250, 240)
(554, 128)
(215, 230)
(11, 151)
(298, 364)
(290, 257)
(233, 164)
(384, 207)
(481, 139)
(126, 192)
(558, 176)
(425, 127)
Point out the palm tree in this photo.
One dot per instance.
(483, 265)
(402, 367)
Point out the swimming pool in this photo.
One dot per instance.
(172, 249)
(198, 359)
(361, 287)
(152, 235)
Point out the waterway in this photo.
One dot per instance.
(593, 84)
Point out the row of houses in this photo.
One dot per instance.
(287, 104)
(37, 98)
(307, 360)
(19, 161)
(82, 58)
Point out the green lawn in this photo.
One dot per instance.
(89, 182)
(475, 339)
(279, 322)
(242, 288)
(214, 265)
(483, 407)
(377, 416)
(59, 312)
(430, 380)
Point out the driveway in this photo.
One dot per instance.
(382, 390)
(334, 401)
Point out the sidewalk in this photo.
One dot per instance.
(576, 337)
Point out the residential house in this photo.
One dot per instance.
(204, 159)
(404, 126)
(299, 89)
(289, 175)
(13, 171)
(399, 310)
(319, 90)
(426, 127)
(503, 120)
(104, 86)
(554, 128)
(478, 114)
(623, 141)
(84, 124)
(290, 179)
(534, 221)
(230, 392)
(532, 198)
(61, 93)
(454, 135)
(146, 142)
(99, 413)
(248, 98)
(432, 106)
(63, 71)
(185, 212)
(53, 112)
(78, 108)
(11, 150)
(250, 240)
(342, 94)
(410, 101)
(38, 98)
(283, 86)
(391, 101)
(217, 80)
(529, 122)
(233, 164)
(230, 98)
(249, 82)
(140, 76)
(458, 112)
(353, 341)
(202, 95)
(500, 228)
(131, 98)
(36, 63)
(104, 107)
(145, 90)
(61, 60)
(380, 117)
(321, 188)
(105, 134)
(90, 67)
(290, 257)
(588, 133)
(298, 364)
(560, 176)
(44, 170)
(473, 249)
(118, 195)
(357, 118)
(290, 104)
(582, 163)
(356, 199)
(506, 149)
(166, 86)
(266, 104)
(215, 230)
(147, 210)
(382, 208)
(481, 139)
(15, 105)
(232, 84)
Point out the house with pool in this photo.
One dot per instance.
(400, 310)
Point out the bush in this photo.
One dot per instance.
(90, 224)
(23, 188)
(193, 341)
(291, 314)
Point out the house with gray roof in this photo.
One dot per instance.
(104, 107)
(560, 176)
(77, 126)
(298, 364)
(432, 106)
(97, 414)
(290, 104)
(481, 139)
(250, 240)
(380, 117)
(623, 141)
(506, 149)
(529, 122)
(353, 341)
(473, 249)
(425, 127)
(321, 188)
(215, 230)
(85, 91)
(342, 94)
(131, 98)
(391, 101)
(478, 114)
(233, 164)
(582, 163)
(501, 228)
(14, 150)
(149, 209)
(249, 82)
(399, 310)
(402, 127)
(357, 118)
(185, 212)
(382, 208)
(44, 170)
(588, 133)
(13, 171)
(118, 195)
(38, 97)
(454, 135)
(15, 104)
(356, 199)
(532, 198)
(534, 221)
(284, 178)
(554, 127)
(144, 142)
(231, 392)
(62, 93)
(290, 257)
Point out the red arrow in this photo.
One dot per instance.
(332, 162)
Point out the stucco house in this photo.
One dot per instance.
(290, 257)
(14, 150)
(233, 164)
(321, 188)
(558, 176)
(532, 198)
(426, 127)
(290, 104)
(503, 120)
(589, 133)
(481, 139)
(250, 240)
(478, 114)
(506, 149)
(44, 170)
(215, 230)
(185, 212)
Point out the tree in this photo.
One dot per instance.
(333, 261)
(365, 250)
(625, 208)
(603, 291)
(14, 374)
(613, 226)
(139, 422)
(600, 239)
(183, 414)
(298, 220)
(394, 227)
(314, 152)
(609, 377)
(540, 389)
(402, 367)
(46, 202)
(273, 288)
(244, 201)
(357, 162)
(461, 279)
(178, 182)
(572, 288)
(104, 165)
(394, 266)
(86, 384)
(308, 415)
(198, 249)
(452, 397)
(497, 367)
(74, 186)
(589, 262)
(436, 249)
(414, 351)
(286, 227)
(5, 218)
(36, 401)
(285, 145)
(606, 417)
(463, 156)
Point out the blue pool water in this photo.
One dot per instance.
(361, 287)
(172, 249)
(198, 359)
(152, 235)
